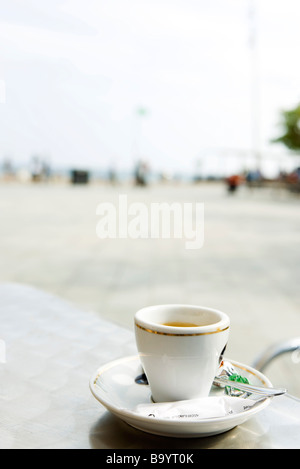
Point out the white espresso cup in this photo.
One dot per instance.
(180, 348)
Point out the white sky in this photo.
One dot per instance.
(75, 72)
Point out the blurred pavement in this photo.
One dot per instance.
(249, 265)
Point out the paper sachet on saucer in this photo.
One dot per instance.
(203, 408)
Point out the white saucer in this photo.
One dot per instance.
(114, 386)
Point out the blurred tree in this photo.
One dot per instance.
(291, 125)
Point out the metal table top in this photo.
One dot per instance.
(52, 349)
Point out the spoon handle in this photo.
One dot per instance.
(261, 390)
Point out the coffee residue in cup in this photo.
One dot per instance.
(180, 324)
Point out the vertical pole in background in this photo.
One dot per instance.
(139, 165)
(255, 85)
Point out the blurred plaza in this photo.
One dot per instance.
(249, 264)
